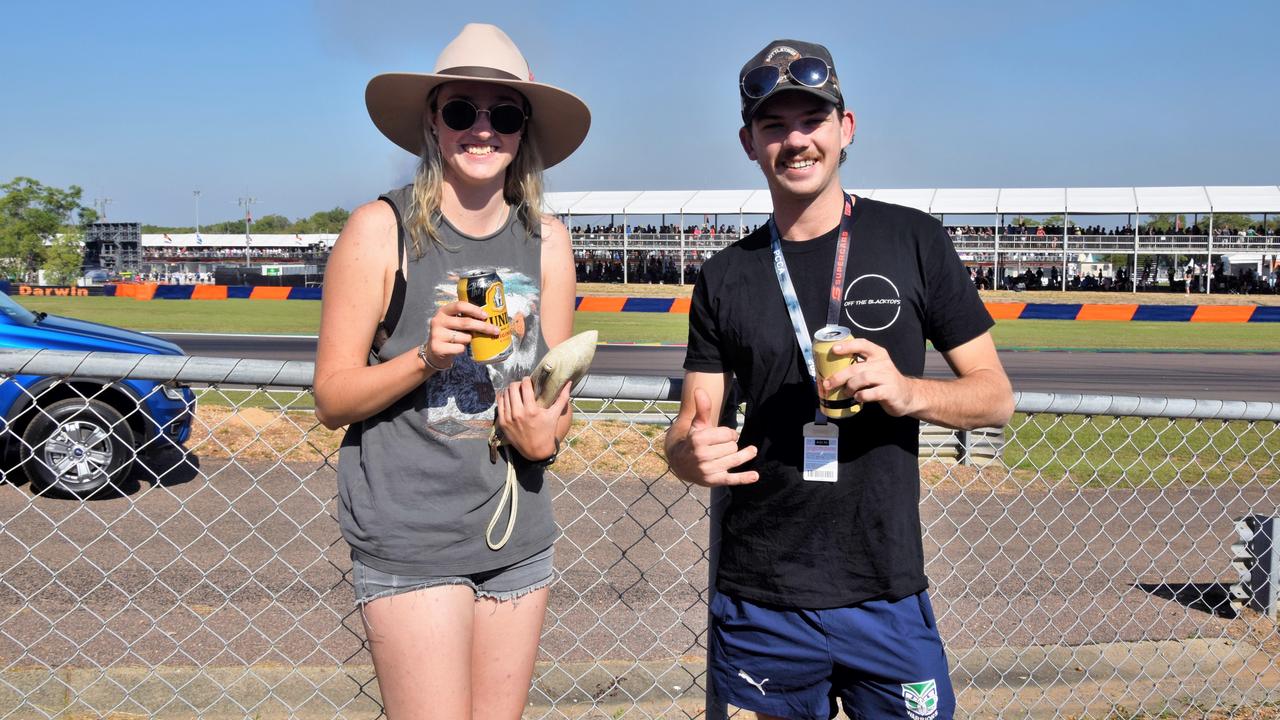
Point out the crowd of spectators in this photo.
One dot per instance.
(173, 278)
(1039, 279)
(159, 254)
(612, 231)
(733, 231)
(1098, 230)
(652, 270)
(1190, 278)
(659, 267)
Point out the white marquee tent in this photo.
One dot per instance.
(943, 202)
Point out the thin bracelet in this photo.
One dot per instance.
(422, 355)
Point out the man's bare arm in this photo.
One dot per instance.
(979, 396)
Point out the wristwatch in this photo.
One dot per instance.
(545, 462)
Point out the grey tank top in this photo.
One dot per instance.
(416, 488)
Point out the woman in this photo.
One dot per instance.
(452, 612)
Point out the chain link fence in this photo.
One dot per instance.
(172, 552)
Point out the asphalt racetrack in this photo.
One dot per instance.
(1219, 376)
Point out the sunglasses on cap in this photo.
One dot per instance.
(807, 71)
(505, 119)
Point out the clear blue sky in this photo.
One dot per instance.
(142, 102)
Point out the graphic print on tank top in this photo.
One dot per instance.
(460, 402)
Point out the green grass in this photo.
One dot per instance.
(302, 317)
(634, 327)
(1098, 335)
(1107, 452)
(215, 316)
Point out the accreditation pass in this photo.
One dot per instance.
(821, 452)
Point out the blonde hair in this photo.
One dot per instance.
(521, 186)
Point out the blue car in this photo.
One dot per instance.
(75, 436)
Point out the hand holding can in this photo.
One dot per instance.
(450, 331)
(834, 404)
(484, 289)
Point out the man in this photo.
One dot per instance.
(821, 585)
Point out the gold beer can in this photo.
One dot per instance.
(834, 404)
(484, 289)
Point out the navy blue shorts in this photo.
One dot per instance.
(882, 659)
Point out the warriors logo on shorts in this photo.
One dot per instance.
(921, 699)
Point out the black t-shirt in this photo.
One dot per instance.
(786, 541)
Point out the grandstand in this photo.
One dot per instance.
(193, 257)
(692, 224)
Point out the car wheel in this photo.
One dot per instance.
(77, 447)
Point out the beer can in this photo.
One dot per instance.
(484, 289)
(834, 404)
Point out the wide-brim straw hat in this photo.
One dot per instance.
(397, 102)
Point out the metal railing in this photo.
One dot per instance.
(1080, 559)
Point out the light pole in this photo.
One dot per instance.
(196, 193)
(245, 202)
(101, 204)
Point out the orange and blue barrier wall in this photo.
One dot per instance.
(151, 291)
(1134, 313)
(1008, 310)
(610, 303)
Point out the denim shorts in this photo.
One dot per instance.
(505, 583)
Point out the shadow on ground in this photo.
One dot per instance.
(1211, 598)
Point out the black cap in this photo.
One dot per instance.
(780, 54)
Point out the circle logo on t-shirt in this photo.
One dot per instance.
(872, 302)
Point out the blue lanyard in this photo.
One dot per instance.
(789, 290)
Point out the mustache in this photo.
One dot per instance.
(792, 157)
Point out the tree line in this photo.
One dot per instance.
(42, 228)
(325, 221)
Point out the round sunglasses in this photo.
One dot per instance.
(505, 119)
(807, 71)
